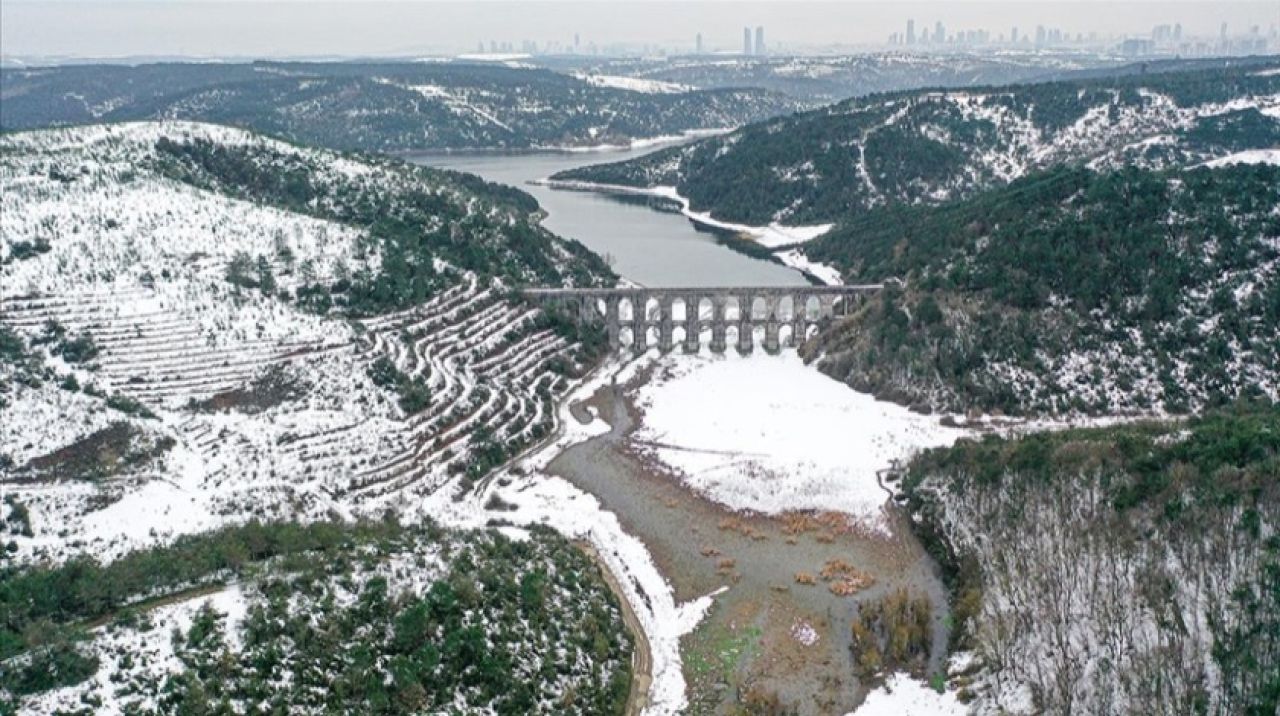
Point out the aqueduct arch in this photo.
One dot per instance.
(646, 312)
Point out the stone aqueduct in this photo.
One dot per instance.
(786, 314)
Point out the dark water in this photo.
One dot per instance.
(652, 248)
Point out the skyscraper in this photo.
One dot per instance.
(746, 40)
(759, 39)
(911, 32)
(698, 43)
(1013, 35)
(939, 33)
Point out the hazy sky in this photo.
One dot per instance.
(248, 28)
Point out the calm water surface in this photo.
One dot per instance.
(652, 248)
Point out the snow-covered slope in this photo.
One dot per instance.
(150, 389)
(932, 146)
(390, 106)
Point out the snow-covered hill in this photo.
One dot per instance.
(834, 78)
(167, 364)
(381, 106)
(931, 146)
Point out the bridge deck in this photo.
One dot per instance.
(703, 291)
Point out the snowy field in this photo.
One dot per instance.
(770, 434)
(633, 84)
(1252, 156)
(902, 695)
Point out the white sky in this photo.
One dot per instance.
(284, 28)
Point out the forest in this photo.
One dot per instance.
(1127, 569)
(388, 617)
(932, 145)
(1163, 283)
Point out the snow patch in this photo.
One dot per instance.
(901, 695)
(633, 84)
(770, 434)
(1252, 156)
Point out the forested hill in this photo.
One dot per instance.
(382, 107)
(1070, 291)
(1081, 558)
(932, 146)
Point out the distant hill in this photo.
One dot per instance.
(382, 107)
(931, 146)
(824, 79)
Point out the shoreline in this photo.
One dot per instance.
(781, 242)
(642, 656)
(688, 135)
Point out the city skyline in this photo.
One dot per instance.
(211, 28)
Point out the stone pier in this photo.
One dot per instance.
(630, 313)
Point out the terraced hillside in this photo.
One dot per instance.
(931, 146)
(376, 107)
(175, 357)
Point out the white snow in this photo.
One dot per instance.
(125, 653)
(1252, 156)
(804, 633)
(774, 235)
(903, 696)
(826, 273)
(640, 143)
(633, 84)
(770, 434)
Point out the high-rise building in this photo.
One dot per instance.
(1013, 35)
(698, 43)
(1177, 32)
(746, 40)
(911, 32)
(760, 39)
(939, 33)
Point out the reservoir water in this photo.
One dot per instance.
(651, 248)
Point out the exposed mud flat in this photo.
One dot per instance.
(768, 635)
